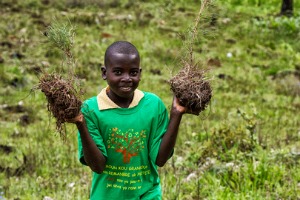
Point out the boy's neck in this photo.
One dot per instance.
(122, 102)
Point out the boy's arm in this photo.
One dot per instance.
(169, 138)
(92, 155)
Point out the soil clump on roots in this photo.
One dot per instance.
(191, 88)
(63, 100)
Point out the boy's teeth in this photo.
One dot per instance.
(125, 88)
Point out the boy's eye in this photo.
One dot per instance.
(134, 73)
(117, 72)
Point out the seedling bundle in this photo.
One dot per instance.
(190, 85)
(62, 91)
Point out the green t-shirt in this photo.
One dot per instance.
(130, 139)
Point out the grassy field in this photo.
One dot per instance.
(246, 145)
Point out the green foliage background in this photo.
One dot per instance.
(245, 146)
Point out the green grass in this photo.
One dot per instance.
(241, 147)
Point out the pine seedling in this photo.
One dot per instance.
(61, 35)
(190, 84)
(63, 94)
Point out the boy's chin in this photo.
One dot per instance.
(126, 95)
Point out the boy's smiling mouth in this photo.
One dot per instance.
(126, 89)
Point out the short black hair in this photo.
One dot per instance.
(122, 47)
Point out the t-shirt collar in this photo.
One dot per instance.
(104, 102)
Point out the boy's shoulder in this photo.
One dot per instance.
(152, 96)
(151, 99)
(92, 101)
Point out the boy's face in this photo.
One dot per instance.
(122, 74)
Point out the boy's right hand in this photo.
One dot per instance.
(76, 120)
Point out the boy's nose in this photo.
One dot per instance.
(126, 78)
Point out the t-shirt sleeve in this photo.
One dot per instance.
(160, 127)
(93, 130)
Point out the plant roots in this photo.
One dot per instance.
(63, 99)
(191, 88)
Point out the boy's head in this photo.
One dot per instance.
(122, 70)
(120, 47)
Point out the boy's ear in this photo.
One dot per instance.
(141, 73)
(103, 70)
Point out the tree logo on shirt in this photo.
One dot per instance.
(127, 143)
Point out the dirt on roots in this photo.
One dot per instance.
(191, 88)
(63, 99)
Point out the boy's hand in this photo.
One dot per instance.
(177, 107)
(181, 109)
(76, 120)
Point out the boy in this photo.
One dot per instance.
(124, 133)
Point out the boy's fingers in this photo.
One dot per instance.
(178, 106)
(184, 109)
(78, 118)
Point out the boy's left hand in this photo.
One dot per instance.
(181, 109)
